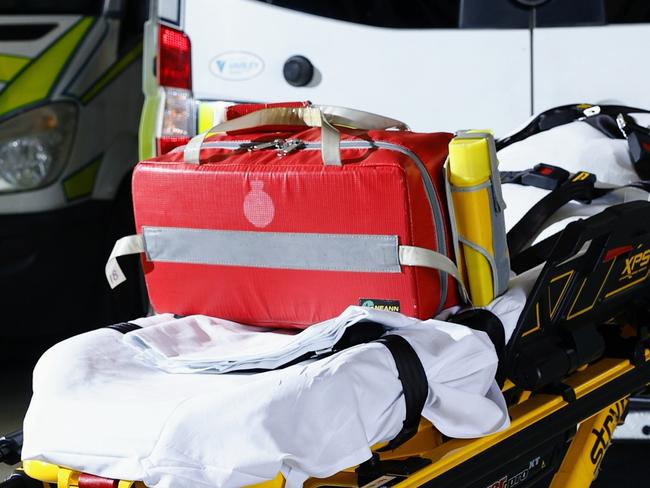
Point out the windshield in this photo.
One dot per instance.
(32, 7)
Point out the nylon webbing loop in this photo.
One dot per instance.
(414, 385)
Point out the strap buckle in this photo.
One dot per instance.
(545, 176)
(583, 176)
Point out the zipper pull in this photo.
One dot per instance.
(289, 146)
(246, 146)
(274, 144)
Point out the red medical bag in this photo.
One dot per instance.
(269, 223)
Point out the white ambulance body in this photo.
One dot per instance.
(437, 65)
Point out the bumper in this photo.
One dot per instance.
(52, 273)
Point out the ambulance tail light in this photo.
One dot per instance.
(178, 120)
(174, 58)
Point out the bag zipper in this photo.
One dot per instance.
(287, 146)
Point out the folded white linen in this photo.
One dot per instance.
(98, 409)
(200, 343)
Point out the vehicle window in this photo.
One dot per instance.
(494, 14)
(574, 13)
(133, 18)
(27, 7)
(420, 14)
(627, 11)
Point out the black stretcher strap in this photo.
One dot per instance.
(124, 327)
(580, 187)
(534, 255)
(566, 114)
(485, 321)
(11, 446)
(414, 384)
(524, 231)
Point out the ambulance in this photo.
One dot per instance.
(438, 65)
(70, 100)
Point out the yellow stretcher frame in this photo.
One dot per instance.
(601, 393)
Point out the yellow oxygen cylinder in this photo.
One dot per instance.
(477, 208)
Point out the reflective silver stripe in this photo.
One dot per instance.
(452, 216)
(490, 259)
(280, 250)
(486, 184)
(500, 248)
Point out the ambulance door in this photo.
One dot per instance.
(592, 51)
(410, 60)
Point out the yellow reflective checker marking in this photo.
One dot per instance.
(206, 116)
(586, 309)
(552, 308)
(583, 175)
(538, 325)
(10, 65)
(36, 79)
(81, 183)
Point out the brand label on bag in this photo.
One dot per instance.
(377, 304)
(237, 65)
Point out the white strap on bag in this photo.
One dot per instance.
(133, 244)
(359, 119)
(325, 117)
(419, 256)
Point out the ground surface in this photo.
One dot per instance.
(15, 391)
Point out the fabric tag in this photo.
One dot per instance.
(126, 245)
(379, 304)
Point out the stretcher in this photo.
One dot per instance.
(580, 349)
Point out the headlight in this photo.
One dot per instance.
(34, 146)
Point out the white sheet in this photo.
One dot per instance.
(200, 343)
(574, 147)
(98, 409)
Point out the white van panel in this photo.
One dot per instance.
(591, 64)
(433, 79)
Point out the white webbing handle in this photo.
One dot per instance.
(133, 244)
(325, 117)
(419, 256)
